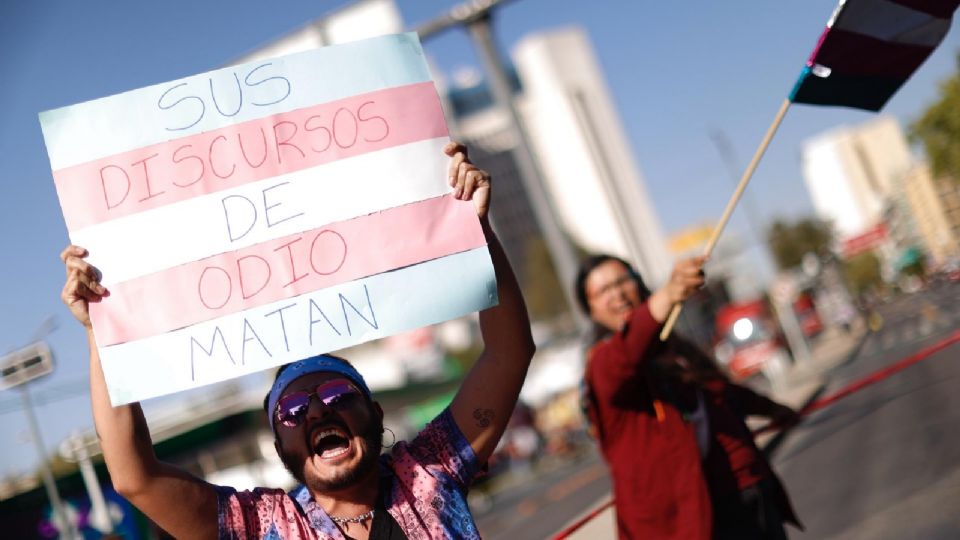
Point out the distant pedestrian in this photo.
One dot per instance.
(669, 423)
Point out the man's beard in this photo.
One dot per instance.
(373, 439)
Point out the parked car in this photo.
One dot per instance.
(749, 341)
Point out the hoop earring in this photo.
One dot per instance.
(393, 442)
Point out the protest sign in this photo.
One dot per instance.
(261, 213)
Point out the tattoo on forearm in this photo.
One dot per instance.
(483, 417)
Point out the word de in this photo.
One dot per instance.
(244, 211)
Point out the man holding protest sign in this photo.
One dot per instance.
(330, 443)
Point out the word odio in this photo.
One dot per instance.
(322, 252)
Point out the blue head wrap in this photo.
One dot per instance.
(315, 364)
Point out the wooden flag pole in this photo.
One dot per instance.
(737, 193)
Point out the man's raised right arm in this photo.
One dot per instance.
(183, 505)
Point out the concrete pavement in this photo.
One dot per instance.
(884, 462)
(801, 383)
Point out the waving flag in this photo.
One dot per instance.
(869, 49)
(257, 214)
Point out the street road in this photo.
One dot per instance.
(885, 462)
(538, 506)
(881, 463)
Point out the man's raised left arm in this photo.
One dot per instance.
(485, 400)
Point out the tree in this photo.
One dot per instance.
(789, 242)
(938, 129)
(862, 273)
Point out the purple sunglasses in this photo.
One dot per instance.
(292, 408)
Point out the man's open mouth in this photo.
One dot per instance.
(331, 442)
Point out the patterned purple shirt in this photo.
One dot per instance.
(428, 495)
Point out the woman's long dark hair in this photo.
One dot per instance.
(700, 366)
(598, 332)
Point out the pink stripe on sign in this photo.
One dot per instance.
(285, 268)
(179, 169)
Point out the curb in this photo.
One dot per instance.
(776, 440)
(771, 447)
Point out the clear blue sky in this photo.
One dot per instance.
(676, 70)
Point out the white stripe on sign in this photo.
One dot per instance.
(227, 96)
(313, 323)
(228, 220)
(889, 21)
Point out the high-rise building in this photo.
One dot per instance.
(577, 137)
(851, 172)
(878, 196)
(949, 195)
(485, 130)
(929, 202)
(359, 20)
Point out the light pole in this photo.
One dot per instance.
(76, 449)
(476, 17)
(16, 370)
